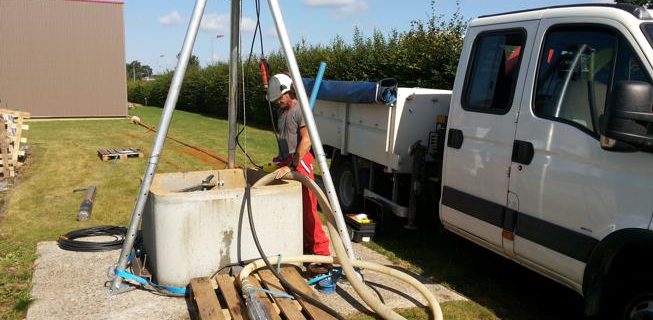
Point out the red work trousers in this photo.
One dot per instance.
(315, 239)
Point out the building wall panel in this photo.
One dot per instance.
(62, 58)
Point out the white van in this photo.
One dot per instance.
(548, 155)
(548, 158)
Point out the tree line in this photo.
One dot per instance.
(426, 55)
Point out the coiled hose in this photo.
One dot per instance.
(342, 259)
(69, 240)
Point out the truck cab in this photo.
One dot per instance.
(547, 159)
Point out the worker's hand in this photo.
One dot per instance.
(295, 159)
(282, 172)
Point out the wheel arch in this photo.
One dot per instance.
(607, 258)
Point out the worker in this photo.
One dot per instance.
(294, 154)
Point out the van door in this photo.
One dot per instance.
(481, 130)
(571, 192)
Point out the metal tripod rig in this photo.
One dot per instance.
(117, 285)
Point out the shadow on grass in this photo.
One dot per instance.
(509, 290)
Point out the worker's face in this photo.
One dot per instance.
(284, 101)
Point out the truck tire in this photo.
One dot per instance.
(345, 185)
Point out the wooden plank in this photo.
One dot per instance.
(296, 280)
(230, 295)
(15, 113)
(3, 147)
(110, 154)
(207, 302)
(287, 307)
(263, 297)
(17, 126)
(10, 154)
(19, 132)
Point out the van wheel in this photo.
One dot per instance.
(345, 185)
(638, 305)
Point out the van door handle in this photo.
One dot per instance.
(522, 152)
(455, 139)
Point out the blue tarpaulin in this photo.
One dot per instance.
(384, 91)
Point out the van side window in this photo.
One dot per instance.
(575, 72)
(493, 71)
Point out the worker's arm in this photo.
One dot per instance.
(303, 146)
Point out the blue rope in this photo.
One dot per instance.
(324, 276)
(249, 288)
(144, 282)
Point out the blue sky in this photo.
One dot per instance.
(154, 31)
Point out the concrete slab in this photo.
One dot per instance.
(71, 285)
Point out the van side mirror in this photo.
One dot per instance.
(628, 117)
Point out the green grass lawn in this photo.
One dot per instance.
(63, 157)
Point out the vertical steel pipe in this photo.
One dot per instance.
(117, 286)
(310, 124)
(233, 81)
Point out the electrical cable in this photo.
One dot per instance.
(283, 281)
(241, 263)
(68, 241)
(257, 31)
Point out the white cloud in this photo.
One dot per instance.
(172, 19)
(341, 7)
(247, 25)
(328, 3)
(215, 22)
(353, 9)
(221, 23)
(272, 32)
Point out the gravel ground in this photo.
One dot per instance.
(71, 285)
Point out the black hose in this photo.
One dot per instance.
(68, 241)
(283, 281)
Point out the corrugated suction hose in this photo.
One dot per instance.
(343, 260)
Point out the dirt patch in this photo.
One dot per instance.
(199, 155)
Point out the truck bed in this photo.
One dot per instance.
(382, 133)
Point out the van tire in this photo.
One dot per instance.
(630, 289)
(636, 303)
(345, 184)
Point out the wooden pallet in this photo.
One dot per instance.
(12, 127)
(221, 298)
(111, 154)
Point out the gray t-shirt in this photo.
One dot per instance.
(289, 122)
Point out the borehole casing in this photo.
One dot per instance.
(192, 234)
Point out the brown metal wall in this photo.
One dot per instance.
(62, 58)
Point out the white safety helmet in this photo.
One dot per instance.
(279, 84)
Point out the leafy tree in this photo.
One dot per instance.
(194, 62)
(645, 3)
(426, 55)
(137, 71)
